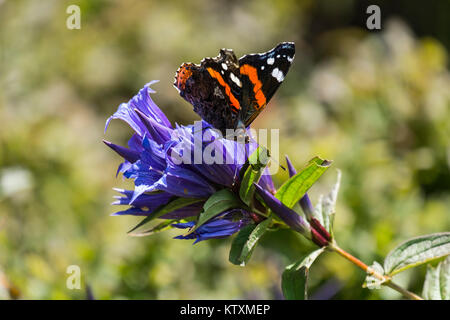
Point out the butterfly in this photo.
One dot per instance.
(229, 93)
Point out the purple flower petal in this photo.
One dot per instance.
(152, 161)
(184, 183)
(135, 143)
(220, 227)
(127, 154)
(145, 204)
(204, 163)
(289, 216)
(185, 212)
(142, 102)
(158, 132)
(266, 181)
(148, 170)
(150, 201)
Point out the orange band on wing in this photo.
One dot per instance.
(234, 102)
(257, 85)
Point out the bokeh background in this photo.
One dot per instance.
(377, 103)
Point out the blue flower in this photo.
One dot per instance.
(221, 227)
(289, 216)
(163, 162)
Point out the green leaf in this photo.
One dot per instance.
(417, 251)
(326, 206)
(245, 242)
(239, 242)
(295, 277)
(217, 203)
(437, 281)
(372, 282)
(295, 188)
(175, 204)
(165, 225)
(257, 163)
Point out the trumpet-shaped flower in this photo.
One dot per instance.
(168, 162)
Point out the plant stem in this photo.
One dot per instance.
(387, 281)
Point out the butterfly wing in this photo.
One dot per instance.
(224, 69)
(213, 88)
(261, 75)
(226, 91)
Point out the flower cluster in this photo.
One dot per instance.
(162, 161)
(152, 159)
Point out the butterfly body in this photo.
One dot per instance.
(229, 93)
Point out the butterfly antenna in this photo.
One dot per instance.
(282, 167)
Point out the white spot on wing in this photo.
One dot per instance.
(235, 80)
(262, 67)
(270, 61)
(218, 93)
(290, 59)
(278, 74)
(224, 66)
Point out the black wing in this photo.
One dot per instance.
(261, 75)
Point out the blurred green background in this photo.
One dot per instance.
(377, 103)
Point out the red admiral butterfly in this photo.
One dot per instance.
(229, 93)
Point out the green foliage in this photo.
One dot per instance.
(371, 281)
(257, 161)
(377, 103)
(417, 251)
(238, 244)
(245, 242)
(437, 281)
(295, 188)
(162, 226)
(217, 203)
(294, 281)
(325, 209)
(174, 204)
